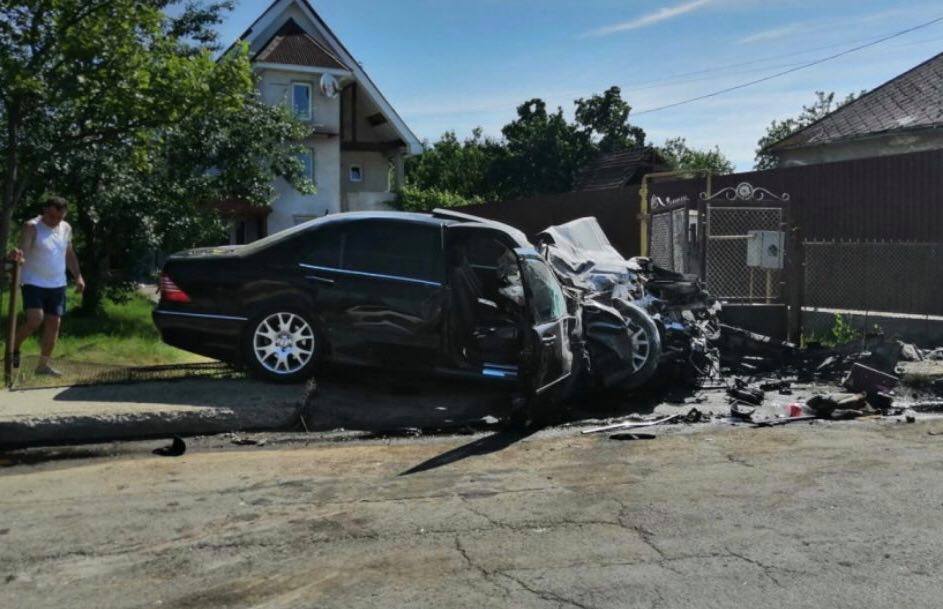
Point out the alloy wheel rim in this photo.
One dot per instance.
(283, 343)
(641, 346)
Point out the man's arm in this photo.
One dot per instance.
(27, 238)
(72, 261)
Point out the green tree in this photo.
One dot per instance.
(823, 105)
(542, 153)
(122, 108)
(682, 157)
(453, 166)
(606, 119)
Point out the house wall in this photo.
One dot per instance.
(871, 147)
(289, 205)
(373, 192)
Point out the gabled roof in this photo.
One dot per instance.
(913, 100)
(292, 45)
(278, 7)
(619, 169)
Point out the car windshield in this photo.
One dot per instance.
(546, 298)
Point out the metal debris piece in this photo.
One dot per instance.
(861, 378)
(741, 391)
(633, 425)
(739, 411)
(777, 422)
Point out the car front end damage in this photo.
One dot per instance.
(636, 321)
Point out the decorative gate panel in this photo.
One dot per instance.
(744, 244)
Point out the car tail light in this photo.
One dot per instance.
(169, 290)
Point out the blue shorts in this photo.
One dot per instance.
(50, 300)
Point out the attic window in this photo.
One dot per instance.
(301, 100)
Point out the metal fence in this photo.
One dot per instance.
(661, 249)
(875, 276)
(728, 232)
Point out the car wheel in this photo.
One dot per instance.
(646, 345)
(283, 345)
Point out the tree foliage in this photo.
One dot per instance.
(540, 152)
(121, 108)
(682, 157)
(823, 105)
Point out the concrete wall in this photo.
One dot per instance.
(885, 145)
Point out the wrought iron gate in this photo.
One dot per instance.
(735, 266)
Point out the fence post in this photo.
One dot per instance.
(11, 326)
(796, 283)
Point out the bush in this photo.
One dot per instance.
(411, 198)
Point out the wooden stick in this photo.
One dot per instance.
(11, 326)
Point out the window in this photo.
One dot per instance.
(301, 100)
(546, 298)
(307, 162)
(323, 247)
(400, 249)
(356, 173)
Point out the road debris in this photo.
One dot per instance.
(174, 449)
(742, 412)
(741, 391)
(787, 421)
(861, 378)
(633, 425)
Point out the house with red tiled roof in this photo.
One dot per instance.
(903, 115)
(357, 142)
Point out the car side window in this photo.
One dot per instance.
(323, 247)
(398, 249)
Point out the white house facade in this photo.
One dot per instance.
(357, 142)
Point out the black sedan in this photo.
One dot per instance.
(444, 293)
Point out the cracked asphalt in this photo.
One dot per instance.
(823, 515)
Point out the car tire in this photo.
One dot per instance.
(283, 345)
(645, 332)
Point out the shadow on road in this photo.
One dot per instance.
(482, 446)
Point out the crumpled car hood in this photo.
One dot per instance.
(616, 292)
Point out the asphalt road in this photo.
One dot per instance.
(827, 515)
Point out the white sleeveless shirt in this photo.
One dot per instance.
(45, 261)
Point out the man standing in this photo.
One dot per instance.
(45, 251)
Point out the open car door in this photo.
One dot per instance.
(549, 357)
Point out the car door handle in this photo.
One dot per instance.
(319, 279)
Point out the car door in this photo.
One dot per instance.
(548, 354)
(390, 283)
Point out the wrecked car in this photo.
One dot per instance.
(445, 293)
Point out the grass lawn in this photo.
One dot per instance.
(122, 335)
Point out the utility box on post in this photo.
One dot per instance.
(765, 249)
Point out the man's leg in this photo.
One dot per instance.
(50, 335)
(34, 319)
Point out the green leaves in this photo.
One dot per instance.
(779, 130)
(123, 110)
(681, 157)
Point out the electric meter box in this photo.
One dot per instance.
(765, 249)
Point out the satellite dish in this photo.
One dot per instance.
(329, 86)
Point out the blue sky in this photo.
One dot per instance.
(458, 64)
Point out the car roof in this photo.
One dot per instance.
(437, 218)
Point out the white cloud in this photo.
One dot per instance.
(888, 19)
(664, 14)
